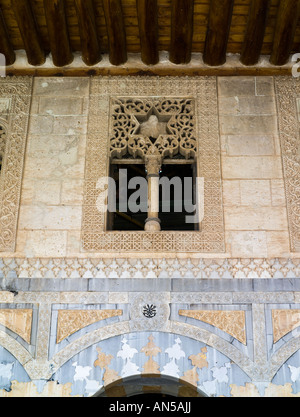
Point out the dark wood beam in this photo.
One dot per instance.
(91, 53)
(116, 31)
(160, 70)
(286, 25)
(255, 32)
(58, 32)
(29, 31)
(148, 26)
(6, 47)
(182, 31)
(219, 23)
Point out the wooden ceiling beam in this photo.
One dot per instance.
(29, 32)
(255, 32)
(6, 47)
(182, 31)
(219, 24)
(116, 31)
(90, 46)
(148, 27)
(58, 32)
(286, 25)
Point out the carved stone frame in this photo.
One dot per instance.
(15, 100)
(203, 90)
(288, 97)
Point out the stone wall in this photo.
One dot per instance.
(212, 322)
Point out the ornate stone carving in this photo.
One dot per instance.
(284, 321)
(14, 112)
(70, 321)
(231, 322)
(113, 133)
(18, 320)
(150, 126)
(288, 95)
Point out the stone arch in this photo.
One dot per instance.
(149, 384)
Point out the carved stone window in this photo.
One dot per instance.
(153, 123)
(15, 98)
(155, 133)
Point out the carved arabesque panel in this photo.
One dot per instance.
(288, 98)
(194, 131)
(15, 98)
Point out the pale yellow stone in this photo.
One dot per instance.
(246, 125)
(41, 243)
(256, 218)
(278, 244)
(50, 217)
(247, 244)
(278, 193)
(248, 145)
(60, 106)
(244, 167)
(47, 192)
(72, 192)
(232, 86)
(255, 193)
(231, 193)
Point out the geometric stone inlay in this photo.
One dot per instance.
(284, 321)
(70, 321)
(17, 320)
(231, 322)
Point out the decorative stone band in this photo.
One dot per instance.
(148, 268)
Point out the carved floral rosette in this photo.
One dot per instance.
(189, 107)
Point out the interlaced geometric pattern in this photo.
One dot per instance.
(172, 134)
(288, 99)
(15, 96)
(185, 113)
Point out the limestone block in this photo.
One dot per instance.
(72, 192)
(47, 192)
(60, 106)
(231, 86)
(243, 167)
(278, 193)
(250, 105)
(41, 125)
(65, 86)
(231, 193)
(41, 243)
(255, 193)
(246, 125)
(264, 86)
(252, 145)
(256, 218)
(278, 244)
(248, 244)
(50, 217)
(70, 125)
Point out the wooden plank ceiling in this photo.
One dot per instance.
(94, 28)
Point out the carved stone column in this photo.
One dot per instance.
(153, 167)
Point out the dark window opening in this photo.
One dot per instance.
(177, 197)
